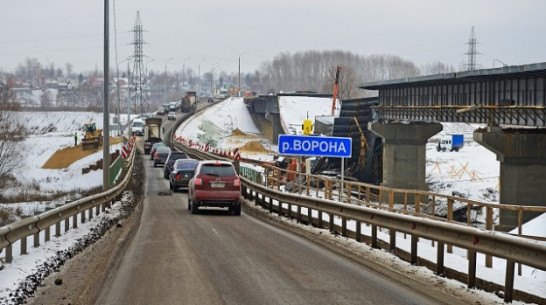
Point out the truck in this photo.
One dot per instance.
(452, 142)
(153, 133)
(189, 102)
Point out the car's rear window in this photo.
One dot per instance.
(220, 170)
(177, 155)
(186, 165)
(163, 150)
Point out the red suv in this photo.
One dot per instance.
(215, 184)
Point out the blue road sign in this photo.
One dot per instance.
(315, 146)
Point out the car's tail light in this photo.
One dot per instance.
(236, 182)
(198, 181)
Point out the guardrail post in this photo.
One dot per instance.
(319, 223)
(374, 237)
(344, 226)
(260, 200)
(58, 229)
(9, 254)
(36, 240)
(289, 212)
(392, 242)
(298, 214)
(509, 280)
(23, 245)
(47, 234)
(82, 218)
(358, 231)
(270, 204)
(440, 259)
(75, 221)
(90, 212)
(331, 222)
(471, 268)
(413, 255)
(66, 225)
(309, 216)
(280, 209)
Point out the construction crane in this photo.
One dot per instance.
(363, 145)
(336, 88)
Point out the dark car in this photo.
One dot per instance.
(148, 144)
(215, 184)
(154, 147)
(210, 100)
(183, 170)
(161, 154)
(173, 156)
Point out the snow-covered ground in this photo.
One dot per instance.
(473, 171)
(52, 131)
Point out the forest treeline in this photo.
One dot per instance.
(315, 71)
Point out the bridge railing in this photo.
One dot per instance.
(322, 212)
(411, 202)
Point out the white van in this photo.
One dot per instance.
(137, 127)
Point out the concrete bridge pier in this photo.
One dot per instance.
(275, 119)
(522, 156)
(404, 154)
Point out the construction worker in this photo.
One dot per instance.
(76, 139)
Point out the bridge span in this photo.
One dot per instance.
(511, 101)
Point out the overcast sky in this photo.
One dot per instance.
(217, 32)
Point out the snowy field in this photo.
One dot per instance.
(52, 131)
(473, 171)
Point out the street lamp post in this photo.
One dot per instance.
(240, 74)
(165, 94)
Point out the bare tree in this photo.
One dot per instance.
(11, 135)
(436, 68)
(315, 71)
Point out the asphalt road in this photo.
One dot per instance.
(216, 258)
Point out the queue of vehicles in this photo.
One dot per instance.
(209, 183)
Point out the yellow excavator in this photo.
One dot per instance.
(92, 138)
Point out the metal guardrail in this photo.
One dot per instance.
(512, 248)
(362, 209)
(33, 226)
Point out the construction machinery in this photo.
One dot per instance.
(92, 138)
